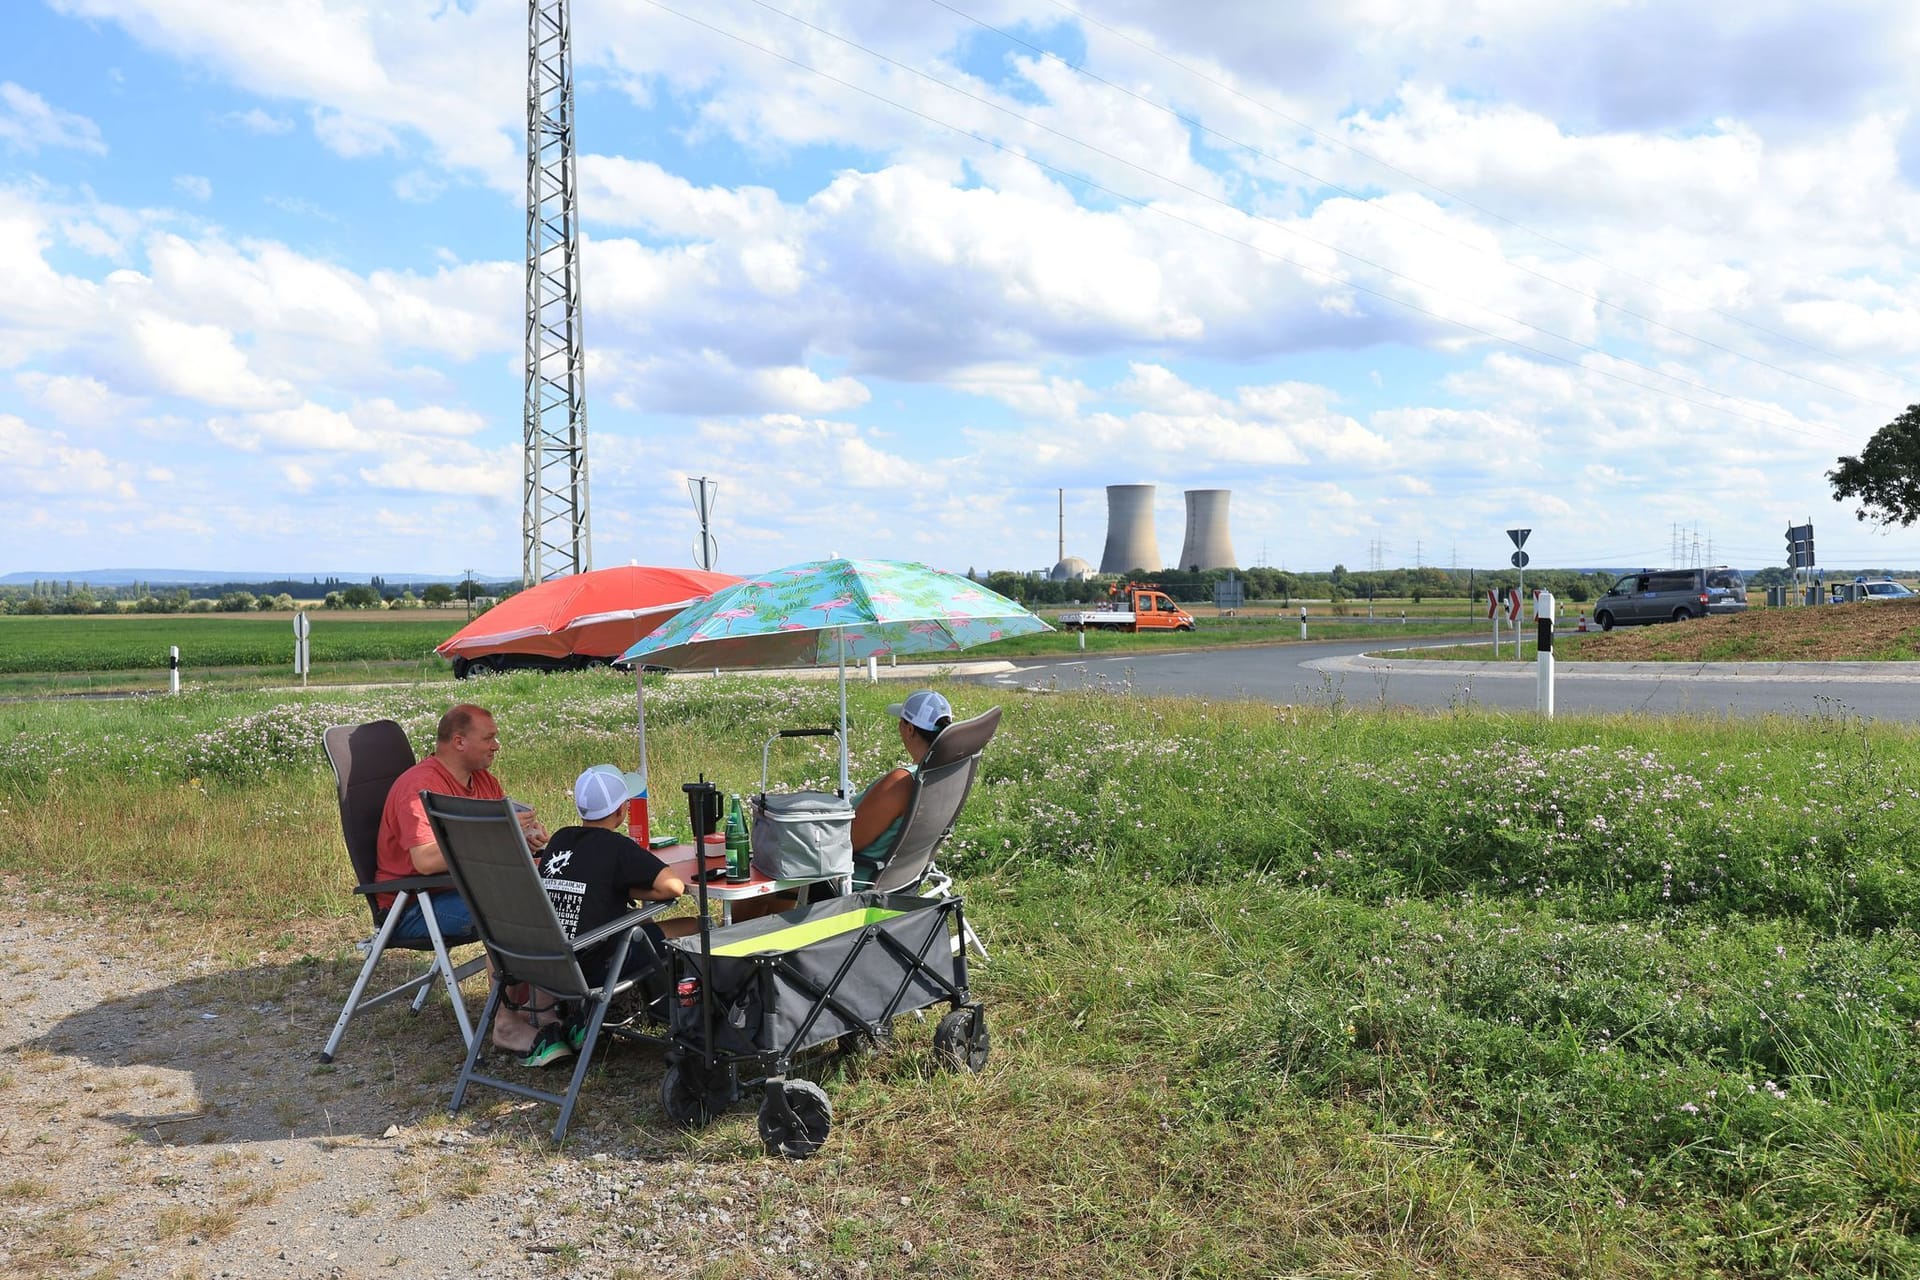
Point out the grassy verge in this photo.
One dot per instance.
(1273, 992)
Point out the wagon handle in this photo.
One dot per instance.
(766, 751)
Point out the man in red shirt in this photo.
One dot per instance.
(465, 744)
(464, 747)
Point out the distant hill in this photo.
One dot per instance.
(202, 578)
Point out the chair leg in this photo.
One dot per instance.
(443, 963)
(973, 940)
(374, 951)
(596, 1015)
(495, 992)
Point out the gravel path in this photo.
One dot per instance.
(163, 1113)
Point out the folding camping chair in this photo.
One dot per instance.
(366, 758)
(487, 854)
(940, 790)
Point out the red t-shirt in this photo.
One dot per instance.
(403, 822)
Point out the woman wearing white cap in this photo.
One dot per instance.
(881, 810)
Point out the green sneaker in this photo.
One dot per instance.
(548, 1047)
(576, 1033)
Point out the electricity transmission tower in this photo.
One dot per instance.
(556, 531)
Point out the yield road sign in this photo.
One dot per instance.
(1521, 559)
(1519, 537)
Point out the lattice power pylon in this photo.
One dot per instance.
(556, 527)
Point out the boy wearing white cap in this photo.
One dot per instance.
(592, 872)
(881, 810)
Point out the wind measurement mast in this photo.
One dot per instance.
(556, 529)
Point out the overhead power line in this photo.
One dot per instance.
(1235, 209)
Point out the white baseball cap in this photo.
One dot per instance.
(603, 788)
(922, 710)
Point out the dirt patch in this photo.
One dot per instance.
(1887, 631)
(163, 1113)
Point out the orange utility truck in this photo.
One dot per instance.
(1131, 606)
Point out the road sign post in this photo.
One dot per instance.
(302, 656)
(1543, 650)
(1519, 539)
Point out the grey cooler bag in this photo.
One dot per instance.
(802, 835)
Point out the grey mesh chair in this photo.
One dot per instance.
(940, 791)
(488, 857)
(366, 759)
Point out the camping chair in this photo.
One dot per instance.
(366, 758)
(487, 854)
(940, 790)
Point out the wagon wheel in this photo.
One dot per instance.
(690, 1096)
(960, 1042)
(800, 1128)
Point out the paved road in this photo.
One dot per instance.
(1321, 673)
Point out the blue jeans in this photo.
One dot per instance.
(449, 909)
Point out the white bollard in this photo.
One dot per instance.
(1303, 622)
(1083, 638)
(173, 669)
(1543, 620)
(873, 668)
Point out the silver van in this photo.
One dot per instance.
(1671, 595)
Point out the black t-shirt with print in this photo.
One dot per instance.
(589, 874)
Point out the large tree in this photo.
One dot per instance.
(1886, 476)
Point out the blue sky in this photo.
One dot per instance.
(1631, 274)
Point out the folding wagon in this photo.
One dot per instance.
(751, 1000)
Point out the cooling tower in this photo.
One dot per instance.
(1208, 544)
(1130, 540)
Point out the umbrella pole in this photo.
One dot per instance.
(845, 783)
(640, 720)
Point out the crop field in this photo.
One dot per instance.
(1273, 991)
(133, 643)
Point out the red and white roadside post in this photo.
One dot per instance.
(1513, 616)
(1543, 620)
(1493, 611)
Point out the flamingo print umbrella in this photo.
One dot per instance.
(827, 611)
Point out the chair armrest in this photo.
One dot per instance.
(406, 884)
(613, 928)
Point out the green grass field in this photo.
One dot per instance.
(130, 643)
(1274, 992)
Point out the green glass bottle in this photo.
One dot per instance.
(738, 859)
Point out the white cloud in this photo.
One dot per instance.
(428, 473)
(264, 123)
(75, 400)
(36, 461)
(417, 186)
(28, 123)
(199, 362)
(194, 186)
